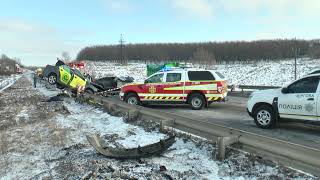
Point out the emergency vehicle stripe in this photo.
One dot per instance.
(161, 98)
(213, 98)
(165, 95)
(194, 87)
(216, 95)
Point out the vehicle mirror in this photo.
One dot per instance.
(284, 90)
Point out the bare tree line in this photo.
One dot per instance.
(204, 53)
(8, 65)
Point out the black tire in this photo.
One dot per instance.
(52, 79)
(132, 98)
(264, 116)
(60, 86)
(197, 101)
(89, 91)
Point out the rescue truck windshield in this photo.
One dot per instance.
(157, 78)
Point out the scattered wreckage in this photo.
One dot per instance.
(100, 145)
(132, 153)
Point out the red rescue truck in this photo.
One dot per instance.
(187, 86)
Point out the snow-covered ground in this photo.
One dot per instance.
(272, 73)
(102, 69)
(7, 81)
(267, 73)
(46, 140)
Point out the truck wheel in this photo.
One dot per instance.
(197, 101)
(52, 79)
(264, 117)
(132, 98)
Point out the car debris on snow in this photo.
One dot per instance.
(130, 153)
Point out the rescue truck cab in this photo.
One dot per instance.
(196, 87)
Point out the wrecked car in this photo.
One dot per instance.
(65, 77)
(112, 82)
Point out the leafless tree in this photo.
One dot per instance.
(65, 56)
(204, 57)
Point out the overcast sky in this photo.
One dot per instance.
(38, 31)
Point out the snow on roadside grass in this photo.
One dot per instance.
(102, 69)
(269, 73)
(7, 81)
(85, 119)
(185, 158)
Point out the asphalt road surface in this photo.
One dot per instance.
(232, 113)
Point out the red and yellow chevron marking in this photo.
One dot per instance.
(213, 98)
(161, 98)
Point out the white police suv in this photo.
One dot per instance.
(298, 101)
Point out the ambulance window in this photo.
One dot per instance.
(173, 77)
(200, 76)
(155, 79)
(306, 85)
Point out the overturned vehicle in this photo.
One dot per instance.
(65, 77)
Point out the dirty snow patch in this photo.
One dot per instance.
(85, 120)
(7, 81)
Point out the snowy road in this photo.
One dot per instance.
(46, 140)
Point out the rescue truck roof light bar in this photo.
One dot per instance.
(178, 69)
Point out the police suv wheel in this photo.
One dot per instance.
(197, 101)
(132, 98)
(52, 79)
(264, 117)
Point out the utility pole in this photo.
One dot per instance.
(295, 59)
(121, 41)
(296, 52)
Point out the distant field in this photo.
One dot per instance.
(262, 73)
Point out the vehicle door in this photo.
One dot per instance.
(173, 89)
(298, 100)
(152, 89)
(77, 80)
(65, 74)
